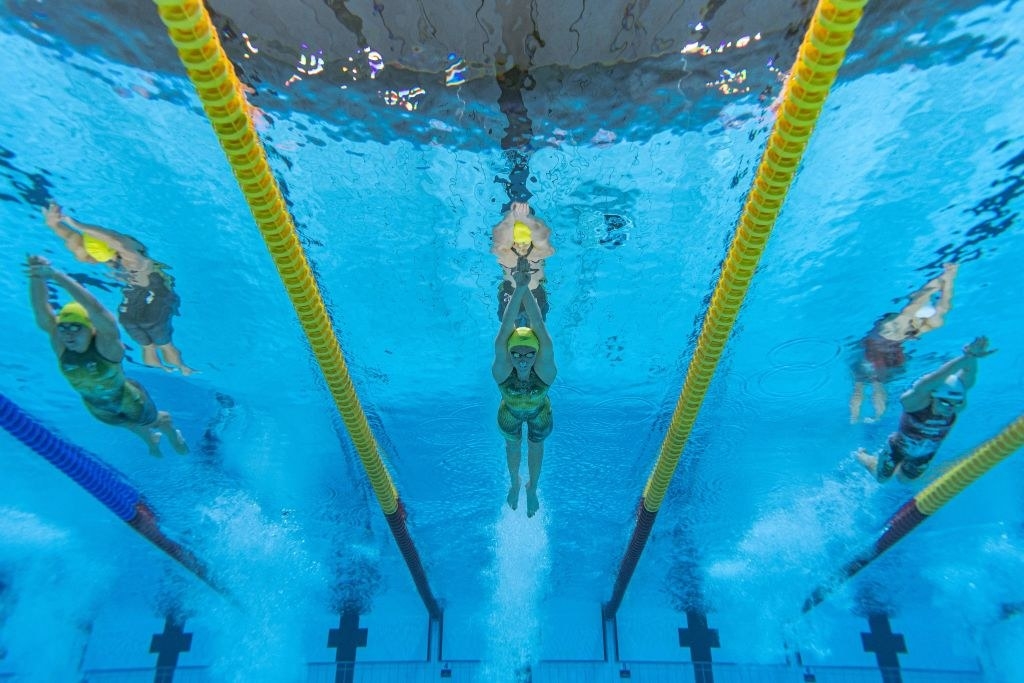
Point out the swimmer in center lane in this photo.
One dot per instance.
(521, 241)
(524, 369)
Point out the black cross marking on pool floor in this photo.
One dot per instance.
(886, 645)
(346, 638)
(700, 639)
(168, 645)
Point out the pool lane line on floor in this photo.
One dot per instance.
(193, 34)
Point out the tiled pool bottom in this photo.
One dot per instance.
(562, 672)
(641, 645)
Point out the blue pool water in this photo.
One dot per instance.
(641, 170)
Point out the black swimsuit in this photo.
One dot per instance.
(915, 443)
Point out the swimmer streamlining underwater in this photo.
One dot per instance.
(930, 408)
(524, 369)
(85, 338)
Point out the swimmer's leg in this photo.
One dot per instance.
(150, 357)
(173, 357)
(513, 456)
(901, 477)
(534, 460)
(855, 400)
(878, 399)
(165, 425)
(883, 466)
(151, 437)
(870, 462)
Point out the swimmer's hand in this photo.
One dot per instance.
(978, 348)
(38, 266)
(521, 277)
(53, 214)
(520, 210)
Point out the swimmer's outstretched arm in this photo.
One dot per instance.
(942, 283)
(118, 240)
(108, 337)
(945, 302)
(55, 220)
(102, 319)
(37, 277)
(920, 393)
(502, 365)
(535, 318)
(545, 365)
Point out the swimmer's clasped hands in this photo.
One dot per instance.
(38, 266)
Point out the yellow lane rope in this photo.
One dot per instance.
(818, 60)
(964, 473)
(213, 76)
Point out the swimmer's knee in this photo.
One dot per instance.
(538, 436)
(513, 439)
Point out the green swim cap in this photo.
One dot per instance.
(97, 248)
(74, 312)
(521, 233)
(524, 336)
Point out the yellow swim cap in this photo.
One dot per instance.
(74, 312)
(524, 336)
(521, 233)
(98, 249)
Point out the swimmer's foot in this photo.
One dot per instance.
(870, 462)
(152, 359)
(164, 424)
(178, 442)
(153, 441)
(513, 495)
(532, 503)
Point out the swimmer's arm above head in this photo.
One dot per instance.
(108, 336)
(945, 302)
(117, 240)
(502, 365)
(920, 393)
(545, 366)
(55, 220)
(38, 273)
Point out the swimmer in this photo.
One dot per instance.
(521, 241)
(148, 299)
(524, 369)
(85, 338)
(930, 407)
(880, 356)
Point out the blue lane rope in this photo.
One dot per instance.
(101, 480)
(88, 471)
